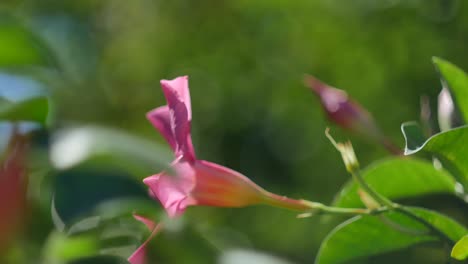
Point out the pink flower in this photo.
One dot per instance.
(139, 256)
(199, 182)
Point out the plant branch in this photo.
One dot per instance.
(399, 208)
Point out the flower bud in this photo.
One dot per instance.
(347, 113)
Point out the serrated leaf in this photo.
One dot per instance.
(398, 178)
(77, 145)
(34, 109)
(457, 81)
(414, 135)
(363, 236)
(460, 250)
(450, 148)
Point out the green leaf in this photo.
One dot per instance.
(105, 145)
(34, 109)
(398, 178)
(364, 236)
(414, 135)
(460, 250)
(79, 192)
(60, 248)
(457, 81)
(450, 148)
(243, 256)
(19, 46)
(100, 260)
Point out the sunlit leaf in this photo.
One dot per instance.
(457, 81)
(364, 236)
(235, 256)
(460, 250)
(448, 147)
(398, 178)
(60, 248)
(19, 46)
(74, 146)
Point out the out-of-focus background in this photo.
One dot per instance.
(101, 62)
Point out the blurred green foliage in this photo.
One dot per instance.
(101, 62)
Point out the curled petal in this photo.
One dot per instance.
(180, 115)
(173, 191)
(160, 118)
(178, 89)
(139, 256)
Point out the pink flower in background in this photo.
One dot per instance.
(347, 113)
(139, 256)
(13, 189)
(198, 182)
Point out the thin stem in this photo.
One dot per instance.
(341, 210)
(310, 208)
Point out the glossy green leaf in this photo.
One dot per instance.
(34, 109)
(457, 81)
(398, 178)
(450, 149)
(460, 250)
(105, 145)
(364, 236)
(414, 135)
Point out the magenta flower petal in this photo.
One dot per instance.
(139, 256)
(173, 191)
(179, 89)
(174, 121)
(161, 119)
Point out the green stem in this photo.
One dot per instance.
(310, 207)
(374, 194)
(341, 210)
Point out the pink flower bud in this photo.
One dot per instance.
(347, 113)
